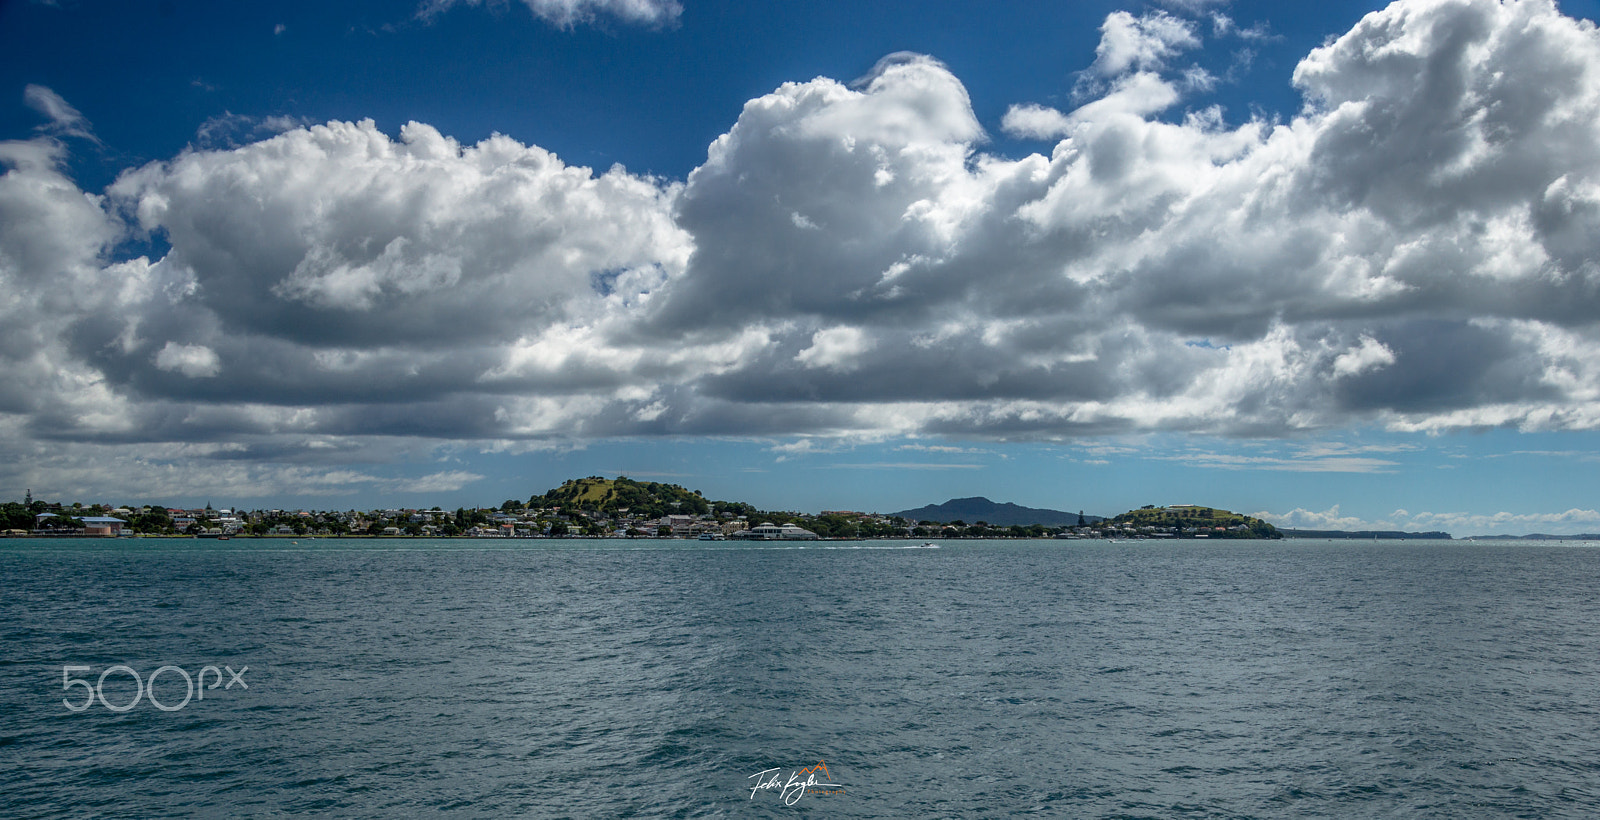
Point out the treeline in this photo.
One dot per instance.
(14, 516)
(25, 516)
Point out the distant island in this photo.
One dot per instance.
(1537, 536)
(1189, 521)
(979, 508)
(1369, 535)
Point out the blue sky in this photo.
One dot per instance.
(1336, 265)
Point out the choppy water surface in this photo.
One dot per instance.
(983, 679)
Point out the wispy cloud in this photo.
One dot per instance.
(1327, 464)
(1320, 457)
(1580, 455)
(571, 13)
(444, 482)
(903, 465)
(65, 120)
(944, 448)
(230, 130)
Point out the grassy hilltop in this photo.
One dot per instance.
(644, 499)
(641, 499)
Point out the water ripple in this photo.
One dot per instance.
(979, 680)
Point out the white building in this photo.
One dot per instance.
(773, 532)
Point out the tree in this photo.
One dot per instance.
(150, 519)
(14, 516)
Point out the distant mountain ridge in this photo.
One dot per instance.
(1536, 536)
(978, 508)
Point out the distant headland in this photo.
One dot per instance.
(621, 507)
(1370, 535)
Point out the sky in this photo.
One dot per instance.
(1335, 265)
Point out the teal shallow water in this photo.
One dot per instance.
(983, 679)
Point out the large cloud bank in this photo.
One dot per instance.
(1419, 248)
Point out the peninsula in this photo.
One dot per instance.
(624, 508)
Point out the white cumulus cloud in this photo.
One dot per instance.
(835, 348)
(1367, 355)
(194, 361)
(1141, 43)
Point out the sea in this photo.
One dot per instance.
(585, 679)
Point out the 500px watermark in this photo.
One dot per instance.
(145, 688)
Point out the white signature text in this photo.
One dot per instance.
(799, 783)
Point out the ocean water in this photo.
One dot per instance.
(671, 679)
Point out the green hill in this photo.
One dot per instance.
(1187, 520)
(645, 499)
